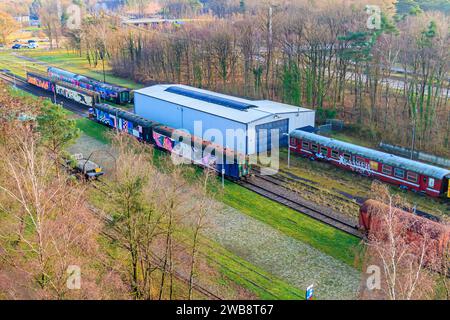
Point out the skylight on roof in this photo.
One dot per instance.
(210, 98)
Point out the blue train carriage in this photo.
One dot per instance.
(56, 74)
(83, 96)
(210, 156)
(112, 93)
(109, 92)
(41, 81)
(123, 121)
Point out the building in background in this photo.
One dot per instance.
(180, 107)
(23, 20)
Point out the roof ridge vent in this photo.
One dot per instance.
(241, 106)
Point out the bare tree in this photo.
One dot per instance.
(7, 26)
(48, 219)
(404, 247)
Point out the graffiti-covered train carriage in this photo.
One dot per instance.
(40, 81)
(107, 91)
(177, 142)
(200, 152)
(406, 173)
(83, 96)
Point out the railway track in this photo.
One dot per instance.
(275, 189)
(22, 84)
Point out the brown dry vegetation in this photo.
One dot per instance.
(410, 266)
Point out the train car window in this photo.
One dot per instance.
(361, 160)
(411, 176)
(335, 154)
(293, 141)
(305, 145)
(347, 156)
(324, 151)
(431, 183)
(315, 148)
(399, 173)
(374, 165)
(387, 169)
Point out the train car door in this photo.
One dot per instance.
(423, 183)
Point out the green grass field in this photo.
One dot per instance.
(94, 130)
(262, 284)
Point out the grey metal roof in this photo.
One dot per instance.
(386, 158)
(262, 109)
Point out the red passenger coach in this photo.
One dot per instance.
(408, 174)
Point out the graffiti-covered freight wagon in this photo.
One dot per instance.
(40, 81)
(123, 121)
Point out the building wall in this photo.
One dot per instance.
(303, 119)
(179, 117)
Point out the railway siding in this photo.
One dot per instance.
(270, 189)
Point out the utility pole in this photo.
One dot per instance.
(289, 148)
(223, 170)
(413, 140)
(270, 25)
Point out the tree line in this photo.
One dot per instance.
(391, 83)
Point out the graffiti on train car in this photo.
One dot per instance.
(74, 95)
(41, 83)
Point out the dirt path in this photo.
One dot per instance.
(29, 59)
(99, 152)
(291, 260)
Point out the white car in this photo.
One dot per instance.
(32, 45)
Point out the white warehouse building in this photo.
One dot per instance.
(184, 107)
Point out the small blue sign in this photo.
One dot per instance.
(309, 292)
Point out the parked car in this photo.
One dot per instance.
(31, 41)
(32, 45)
(16, 46)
